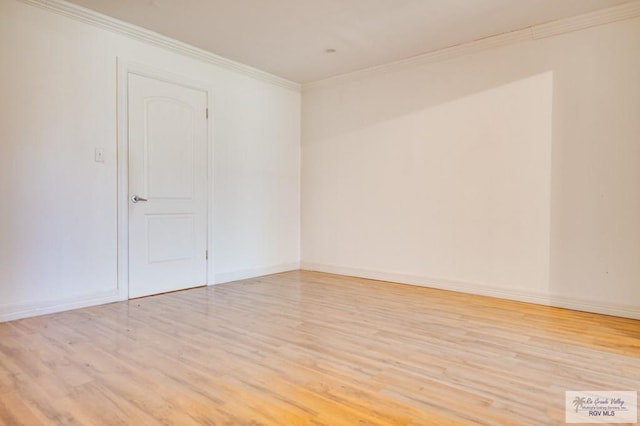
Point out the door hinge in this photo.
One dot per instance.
(206, 254)
(206, 113)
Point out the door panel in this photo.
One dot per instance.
(168, 171)
(169, 149)
(170, 237)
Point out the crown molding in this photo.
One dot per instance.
(96, 19)
(605, 16)
(427, 58)
(587, 20)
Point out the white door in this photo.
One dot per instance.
(167, 186)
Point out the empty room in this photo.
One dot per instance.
(337, 212)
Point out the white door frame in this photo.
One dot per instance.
(125, 68)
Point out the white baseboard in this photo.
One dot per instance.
(244, 274)
(14, 312)
(598, 307)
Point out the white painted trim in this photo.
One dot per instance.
(126, 67)
(425, 58)
(626, 311)
(587, 20)
(96, 19)
(10, 313)
(605, 16)
(244, 274)
(122, 172)
(210, 189)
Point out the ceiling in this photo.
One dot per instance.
(290, 38)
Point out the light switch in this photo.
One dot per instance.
(99, 155)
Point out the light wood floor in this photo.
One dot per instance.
(310, 348)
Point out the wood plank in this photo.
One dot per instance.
(307, 348)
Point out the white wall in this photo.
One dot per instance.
(513, 172)
(58, 218)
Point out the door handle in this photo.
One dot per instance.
(136, 198)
